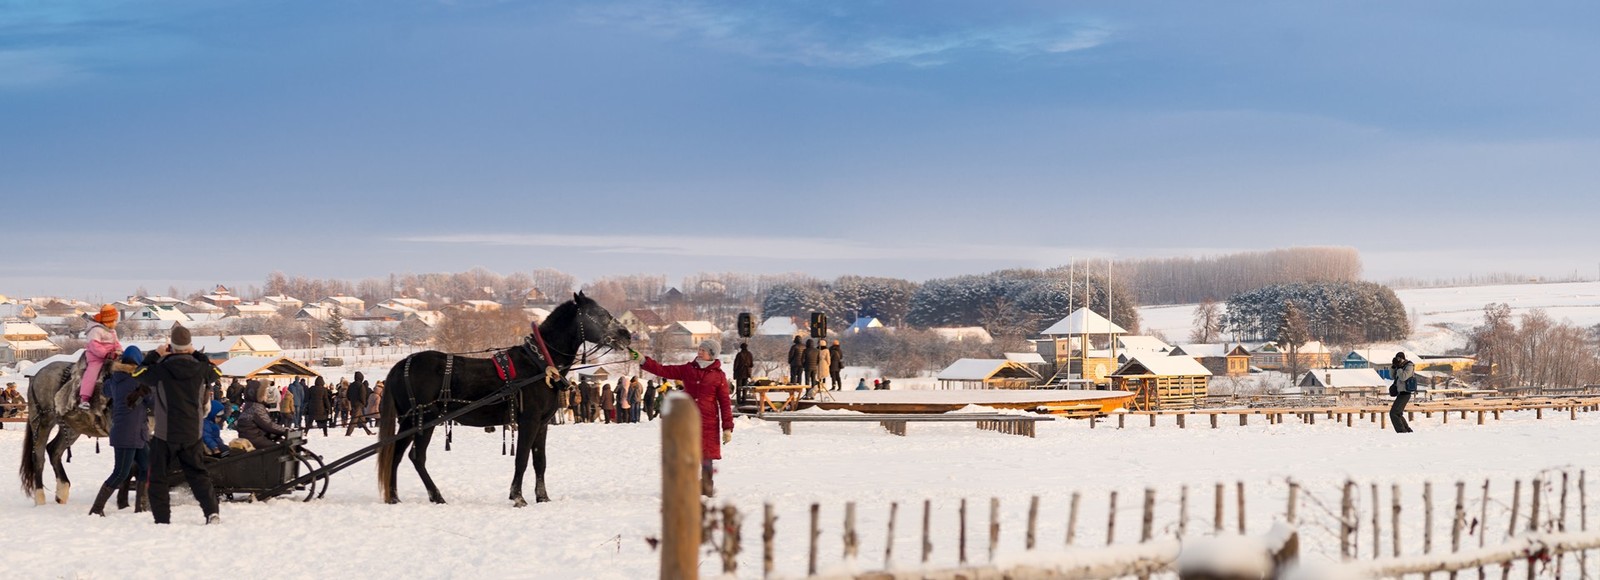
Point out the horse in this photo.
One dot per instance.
(52, 404)
(416, 392)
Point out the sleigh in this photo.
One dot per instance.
(267, 473)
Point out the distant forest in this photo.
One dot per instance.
(1012, 303)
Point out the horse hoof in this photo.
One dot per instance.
(38, 497)
(392, 501)
(63, 491)
(520, 503)
(437, 499)
(542, 499)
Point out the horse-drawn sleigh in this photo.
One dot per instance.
(516, 386)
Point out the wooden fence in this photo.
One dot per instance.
(1535, 527)
(1477, 411)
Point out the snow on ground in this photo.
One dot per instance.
(1444, 315)
(605, 481)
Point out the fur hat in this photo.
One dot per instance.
(132, 355)
(710, 346)
(180, 339)
(108, 315)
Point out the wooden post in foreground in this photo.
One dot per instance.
(680, 489)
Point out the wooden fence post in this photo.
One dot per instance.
(1183, 510)
(1394, 521)
(732, 523)
(1241, 507)
(888, 544)
(1483, 515)
(1427, 514)
(1377, 519)
(811, 560)
(1111, 521)
(1345, 517)
(1294, 503)
(927, 543)
(1033, 521)
(1459, 520)
(852, 544)
(1516, 505)
(1072, 518)
(1533, 506)
(768, 531)
(961, 545)
(1216, 519)
(680, 489)
(1147, 526)
(994, 526)
(1583, 519)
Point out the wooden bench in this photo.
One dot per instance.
(896, 423)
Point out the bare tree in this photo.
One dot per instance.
(1207, 321)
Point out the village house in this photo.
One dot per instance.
(222, 348)
(251, 311)
(347, 305)
(781, 326)
(281, 302)
(1221, 359)
(14, 311)
(641, 321)
(1271, 356)
(987, 373)
(687, 334)
(865, 324)
(963, 334)
(157, 312)
(1344, 383)
(24, 341)
(220, 298)
(1080, 347)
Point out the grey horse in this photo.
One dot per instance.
(52, 393)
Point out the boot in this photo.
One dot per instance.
(706, 488)
(122, 495)
(141, 499)
(99, 507)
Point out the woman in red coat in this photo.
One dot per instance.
(703, 380)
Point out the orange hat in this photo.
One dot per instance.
(108, 315)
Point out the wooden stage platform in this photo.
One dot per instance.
(1063, 402)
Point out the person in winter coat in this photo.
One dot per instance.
(374, 398)
(1405, 383)
(824, 362)
(836, 364)
(624, 401)
(130, 432)
(862, 384)
(318, 402)
(235, 393)
(178, 377)
(357, 395)
(286, 406)
(651, 405)
(341, 401)
(297, 388)
(636, 393)
(255, 424)
(797, 361)
(810, 359)
(211, 431)
(744, 364)
(103, 346)
(704, 382)
(608, 403)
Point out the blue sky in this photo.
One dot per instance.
(350, 139)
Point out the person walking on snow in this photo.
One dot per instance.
(703, 381)
(797, 361)
(1405, 383)
(178, 377)
(836, 364)
(130, 432)
(102, 348)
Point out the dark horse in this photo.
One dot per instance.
(414, 394)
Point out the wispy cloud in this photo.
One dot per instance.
(775, 248)
(837, 36)
(46, 44)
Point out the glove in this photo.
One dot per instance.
(634, 355)
(727, 436)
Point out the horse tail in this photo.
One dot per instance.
(387, 417)
(30, 459)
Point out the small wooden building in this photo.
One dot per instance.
(263, 367)
(1219, 358)
(688, 334)
(1081, 346)
(1272, 356)
(1343, 382)
(987, 373)
(1162, 382)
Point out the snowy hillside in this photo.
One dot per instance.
(1444, 315)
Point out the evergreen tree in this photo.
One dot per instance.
(334, 332)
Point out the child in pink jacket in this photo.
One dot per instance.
(103, 346)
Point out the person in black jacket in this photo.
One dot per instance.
(836, 364)
(357, 393)
(797, 361)
(254, 423)
(319, 403)
(178, 376)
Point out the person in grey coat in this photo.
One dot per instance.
(1405, 383)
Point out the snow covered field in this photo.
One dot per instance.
(1444, 315)
(604, 480)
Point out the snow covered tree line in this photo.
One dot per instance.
(1538, 352)
(1333, 312)
(1189, 280)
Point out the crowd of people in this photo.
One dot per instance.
(629, 401)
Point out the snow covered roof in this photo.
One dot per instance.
(978, 369)
(959, 333)
(1084, 321)
(22, 331)
(1167, 366)
(1027, 358)
(864, 323)
(697, 327)
(1143, 343)
(251, 366)
(778, 326)
(1344, 378)
(29, 345)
